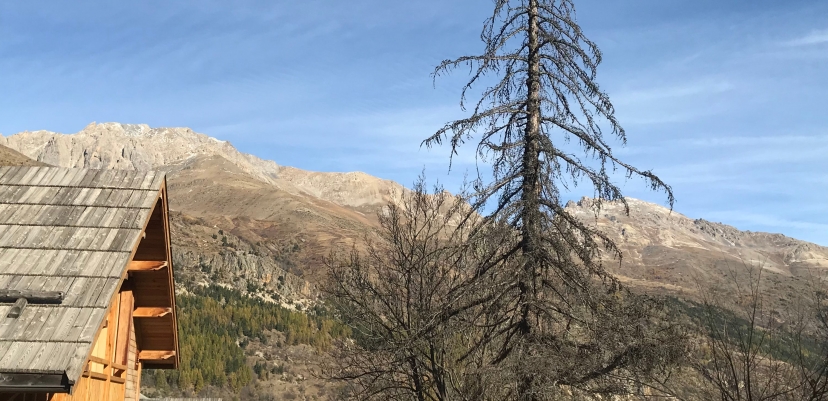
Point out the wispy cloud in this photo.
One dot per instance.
(764, 141)
(672, 102)
(674, 91)
(813, 38)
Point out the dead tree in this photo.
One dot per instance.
(754, 349)
(414, 297)
(554, 310)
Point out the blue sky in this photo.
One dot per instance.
(725, 100)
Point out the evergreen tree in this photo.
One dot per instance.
(211, 332)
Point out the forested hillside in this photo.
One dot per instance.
(216, 327)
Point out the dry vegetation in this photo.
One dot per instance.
(11, 157)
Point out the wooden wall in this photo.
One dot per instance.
(112, 367)
(133, 383)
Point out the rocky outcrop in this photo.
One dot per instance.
(131, 146)
(139, 147)
(233, 257)
(280, 221)
(247, 272)
(663, 247)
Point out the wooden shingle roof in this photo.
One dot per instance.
(73, 231)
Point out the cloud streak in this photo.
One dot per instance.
(813, 38)
(701, 87)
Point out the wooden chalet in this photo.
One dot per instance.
(86, 286)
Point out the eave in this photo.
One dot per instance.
(35, 383)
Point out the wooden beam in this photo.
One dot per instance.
(146, 265)
(147, 311)
(155, 355)
(17, 309)
(96, 375)
(124, 320)
(99, 360)
(102, 376)
(106, 363)
(138, 380)
(167, 242)
(35, 297)
(111, 336)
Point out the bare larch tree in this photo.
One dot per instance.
(756, 350)
(523, 124)
(411, 297)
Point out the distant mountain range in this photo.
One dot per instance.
(257, 225)
(237, 219)
(666, 251)
(137, 146)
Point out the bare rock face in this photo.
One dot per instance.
(139, 147)
(205, 253)
(277, 223)
(130, 147)
(664, 248)
(243, 221)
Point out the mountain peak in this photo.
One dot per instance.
(659, 244)
(113, 145)
(116, 129)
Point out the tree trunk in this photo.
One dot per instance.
(418, 379)
(530, 212)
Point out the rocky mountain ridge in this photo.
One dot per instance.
(140, 147)
(237, 219)
(663, 247)
(252, 223)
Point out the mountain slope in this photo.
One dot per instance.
(237, 219)
(264, 229)
(137, 146)
(257, 223)
(11, 157)
(667, 250)
(294, 231)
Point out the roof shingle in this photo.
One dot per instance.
(69, 230)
